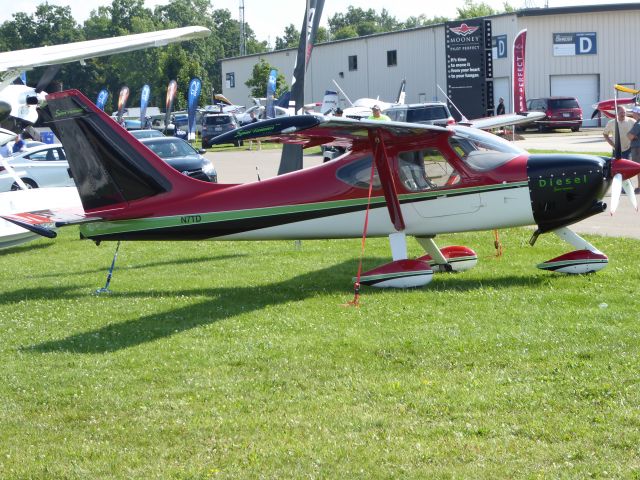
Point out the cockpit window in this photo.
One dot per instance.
(482, 151)
(425, 169)
(358, 173)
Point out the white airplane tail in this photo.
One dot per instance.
(329, 102)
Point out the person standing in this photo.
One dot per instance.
(624, 126)
(500, 108)
(253, 119)
(634, 138)
(376, 115)
(18, 146)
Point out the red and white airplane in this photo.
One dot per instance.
(407, 179)
(608, 107)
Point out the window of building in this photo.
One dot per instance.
(353, 63)
(392, 58)
(231, 80)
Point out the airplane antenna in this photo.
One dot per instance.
(463, 118)
(342, 92)
(243, 42)
(258, 173)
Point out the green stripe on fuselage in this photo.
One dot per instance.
(154, 223)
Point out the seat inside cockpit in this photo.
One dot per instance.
(425, 169)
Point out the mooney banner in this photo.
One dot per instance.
(195, 87)
(102, 98)
(144, 102)
(519, 98)
(466, 56)
(172, 88)
(122, 101)
(291, 158)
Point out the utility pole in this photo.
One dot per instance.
(243, 38)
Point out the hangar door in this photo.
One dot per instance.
(501, 89)
(585, 88)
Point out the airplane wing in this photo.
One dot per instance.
(12, 63)
(486, 123)
(39, 210)
(314, 130)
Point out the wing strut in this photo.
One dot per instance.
(386, 179)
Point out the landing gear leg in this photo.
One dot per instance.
(574, 239)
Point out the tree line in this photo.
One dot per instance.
(51, 25)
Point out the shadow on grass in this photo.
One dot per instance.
(224, 303)
(122, 268)
(24, 248)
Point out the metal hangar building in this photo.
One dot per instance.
(576, 51)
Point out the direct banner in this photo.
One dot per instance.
(519, 98)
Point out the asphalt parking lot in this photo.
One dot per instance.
(245, 166)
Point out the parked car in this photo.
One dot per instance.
(214, 124)
(430, 113)
(146, 133)
(40, 166)
(183, 157)
(561, 112)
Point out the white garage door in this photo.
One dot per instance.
(501, 89)
(584, 87)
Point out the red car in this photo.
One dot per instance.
(561, 112)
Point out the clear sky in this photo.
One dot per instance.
(269, 18)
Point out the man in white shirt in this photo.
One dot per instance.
(624, 125)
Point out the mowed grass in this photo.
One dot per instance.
(239, 360)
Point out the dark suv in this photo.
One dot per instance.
(430, 113)
(561, 112)
(214, 124)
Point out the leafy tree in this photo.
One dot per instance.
(345, 32)
(422, 20)
(260, 77)
(363, 22)
(290, 39)
(472, 10)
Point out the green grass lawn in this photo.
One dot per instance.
(238, 360)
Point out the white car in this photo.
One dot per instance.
(40, 166)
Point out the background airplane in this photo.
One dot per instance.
(397, 180)
(20, 100)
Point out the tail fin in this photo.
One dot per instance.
(110, 167)
(329, 102)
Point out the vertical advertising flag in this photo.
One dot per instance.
(195, 87)
(172, 88)
(102, 99)
(144, 103)
(271, 91)
(291, 158)
(519, 97)
(122, 101)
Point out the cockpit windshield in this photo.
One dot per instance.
(482, 151)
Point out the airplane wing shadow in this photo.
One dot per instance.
(225, 303)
